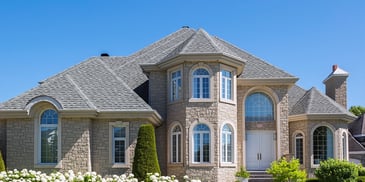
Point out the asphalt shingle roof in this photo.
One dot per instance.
(315, 102)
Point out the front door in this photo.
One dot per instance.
(260, 149)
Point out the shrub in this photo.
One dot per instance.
(361, 170)
(145, 155)
(242, 173)
(283, 170)
(312, 180)
(2, 164)
(334, 170)
(360, 179)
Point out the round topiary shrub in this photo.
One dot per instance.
(145, 155)
(2, 164)
(334, 170)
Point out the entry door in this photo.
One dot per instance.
(260, 150)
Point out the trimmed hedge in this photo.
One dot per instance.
(145, 155)
(2, 163)
(360, 179)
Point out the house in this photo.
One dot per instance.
(357, 140)
(215, 108)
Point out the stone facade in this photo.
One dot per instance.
(336, 88)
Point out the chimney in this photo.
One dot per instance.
(336, 85)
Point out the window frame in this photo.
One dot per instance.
(327, 144)
(119, 124)
(270, 99)
(201, 142)
(38, 139)
(344, 141)
(191, 83)
(225, 154)
(178, 89)
(302, 137)
(223, 88)
(179, 136)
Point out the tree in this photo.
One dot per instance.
(2, 164)
(145, 154)
(357, 110)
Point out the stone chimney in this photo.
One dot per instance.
(336, 85)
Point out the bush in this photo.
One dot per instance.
(2, 164)
(283, 170)
(334, 170)
(145, 155)
(361, 170)
(360, 179)
(312, 180)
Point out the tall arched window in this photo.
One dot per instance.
(299, 147)
(259, 107)
(322, 144)
(201, 143)
(201, 83)
(48, 137)
(176, 144)
(227, 143)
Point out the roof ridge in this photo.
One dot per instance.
(123, 83)
(81, 93)
(207, 35)
(134, 57)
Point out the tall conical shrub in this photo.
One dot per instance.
(145, 154)
(2, 164)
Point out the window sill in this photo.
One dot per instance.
(176, 164)
(49, 166)
(120, 166)
(202, 165)
(201, 100)
(232, 102)
(228, 164)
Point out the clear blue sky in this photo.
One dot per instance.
(39, 39)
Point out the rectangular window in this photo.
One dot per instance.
(299, 149)
(175, 85)
(119, 144)
(226, 85)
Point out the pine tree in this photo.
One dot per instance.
(2, 164)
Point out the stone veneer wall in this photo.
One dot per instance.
(76, 144)
(101, 149)
(336, 88)
(20, 144)
(3, 138)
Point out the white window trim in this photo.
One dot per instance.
(37, 140)
(233, 146)
(191, 83)
(111, 144)
(179, 91)
(233, 85)
(179, 151)
(211, 146)
(295, 146)
(311, 141)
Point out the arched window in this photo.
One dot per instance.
(322, 144)
(299, 147)
(48, 137)
(201, 85)
(227, 143)
(259, 107)
(176, 144)
(201, 144)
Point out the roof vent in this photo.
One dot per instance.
(185, 26)
(104, 55)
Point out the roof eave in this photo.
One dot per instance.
(267, 81)
(319, 116)
(151, 115)
(201, 57)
